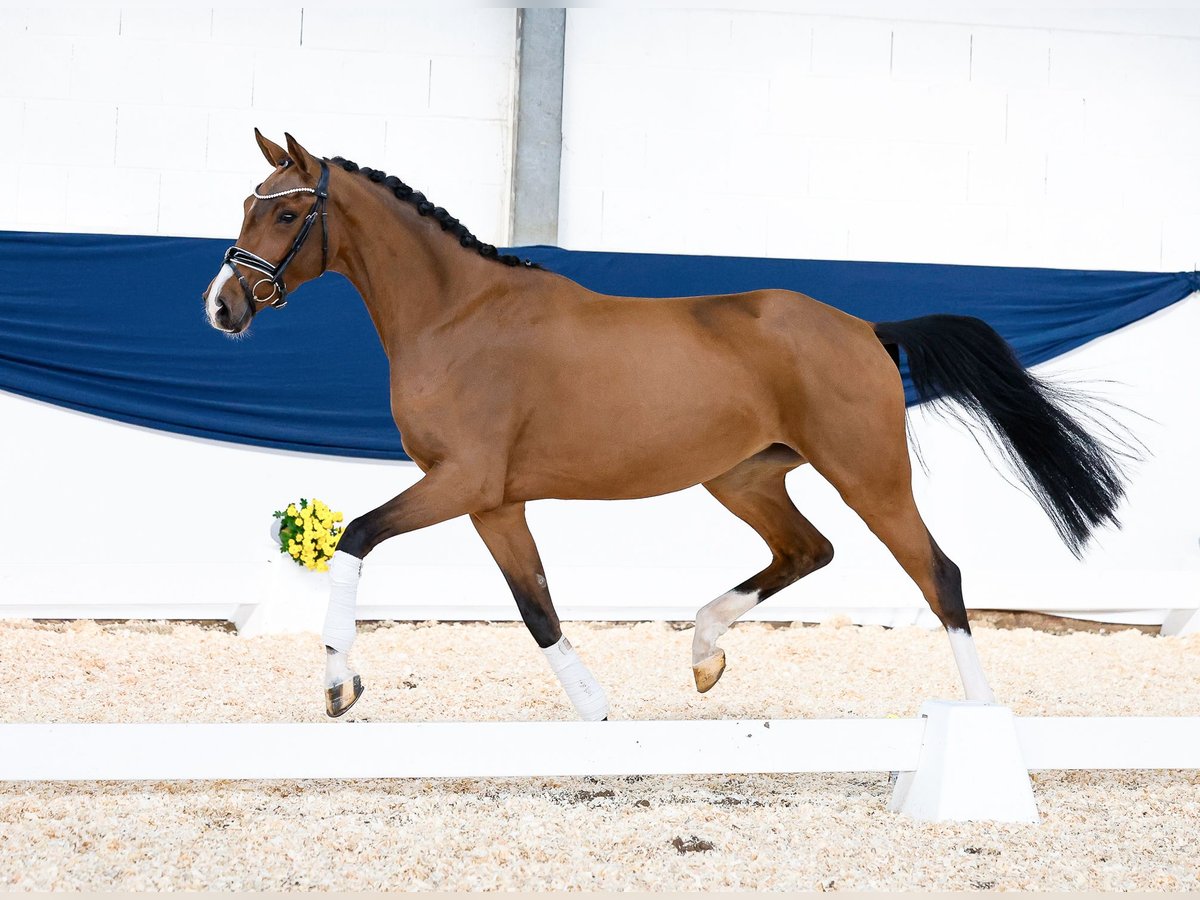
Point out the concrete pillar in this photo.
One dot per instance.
(537, 153)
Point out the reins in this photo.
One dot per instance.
(236, 256)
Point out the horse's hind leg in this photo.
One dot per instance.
(876, 482)
(755, 492)
(507, 537)
(895, 520)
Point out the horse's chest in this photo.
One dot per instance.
(419, 389)
(428, 417)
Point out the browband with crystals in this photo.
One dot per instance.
(296, 190)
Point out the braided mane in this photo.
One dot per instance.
(443, 218)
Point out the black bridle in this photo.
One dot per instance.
(236, 256)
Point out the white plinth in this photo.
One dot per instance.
(293, 601)
(1179, 622)
(970, 767)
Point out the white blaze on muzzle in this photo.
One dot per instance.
(210, 300)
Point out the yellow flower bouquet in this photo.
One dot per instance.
(309, 533)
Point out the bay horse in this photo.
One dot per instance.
(510, 383)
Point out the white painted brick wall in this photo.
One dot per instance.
(140, 118)
(67, 133)
(1022, 138)
(154, 136)
(935, 53)
(1181, 241)
(77, 20)
(851, 48)
(35, 67)
(1044, 119)
(1010, 58)
(1018, 137)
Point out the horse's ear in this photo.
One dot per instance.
(275, 154)
(304, 160)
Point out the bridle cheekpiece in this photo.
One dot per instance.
(236, 256)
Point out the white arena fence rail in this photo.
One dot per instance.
(957, 761)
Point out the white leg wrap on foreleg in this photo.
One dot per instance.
(582, 689)
(340, 626)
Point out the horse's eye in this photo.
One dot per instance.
(286, 217)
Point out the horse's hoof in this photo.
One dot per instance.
(342, 696)
(708, 672)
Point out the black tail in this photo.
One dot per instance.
(1075, 477)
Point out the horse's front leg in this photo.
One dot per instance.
(446, 492)
(507, 536)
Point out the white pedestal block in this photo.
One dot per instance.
(1179, 622)
(970, 768)
(294, 601)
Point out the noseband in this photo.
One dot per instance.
(236, 256)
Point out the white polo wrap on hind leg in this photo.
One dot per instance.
(582, 689)
(714, 620)
(967, 657)
(340, 627)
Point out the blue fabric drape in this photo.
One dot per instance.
(114, 325)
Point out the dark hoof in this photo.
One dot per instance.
(342, 696)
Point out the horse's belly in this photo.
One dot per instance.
(625, 455)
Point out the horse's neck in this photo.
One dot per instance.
(413, 278)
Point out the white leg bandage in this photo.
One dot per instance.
(714, 620)
(969, 669)
(339, 627)
(582, 689)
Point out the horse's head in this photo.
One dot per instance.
(284, 235)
